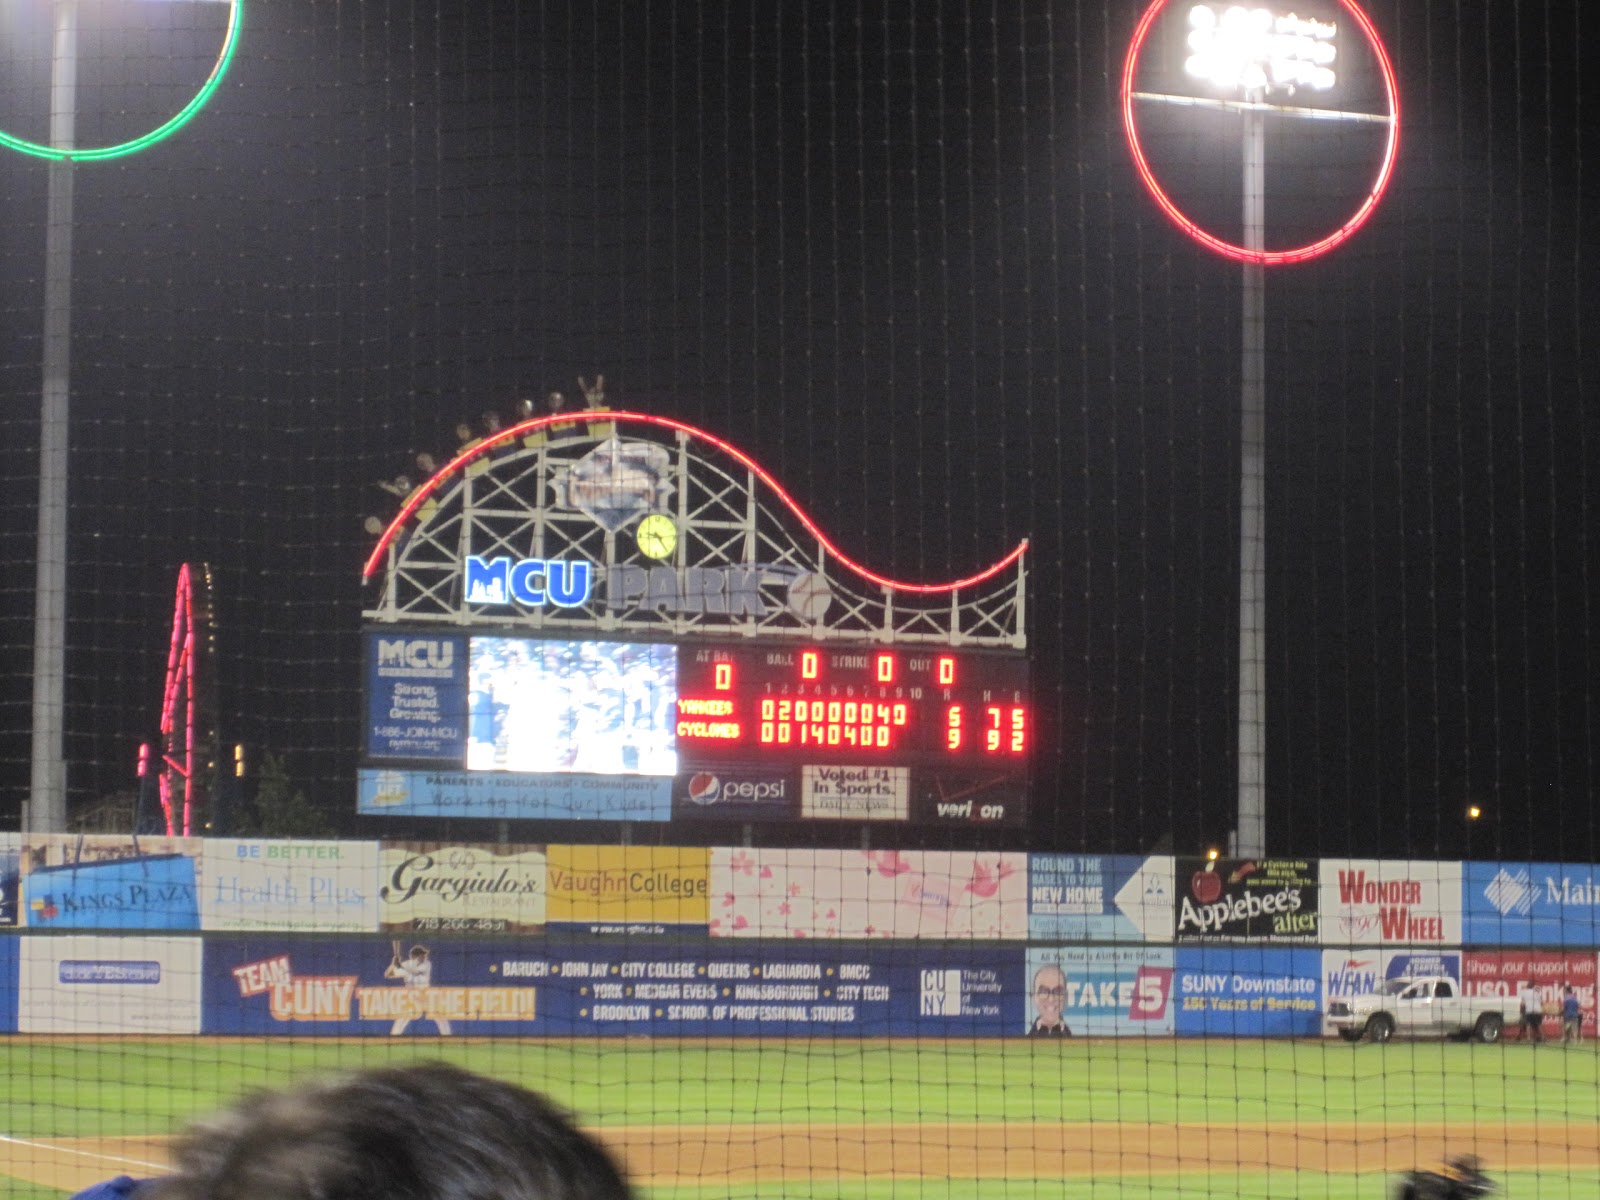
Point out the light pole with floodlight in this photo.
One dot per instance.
(46, 811)
(1255, 56)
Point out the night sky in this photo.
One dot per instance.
(899, 254)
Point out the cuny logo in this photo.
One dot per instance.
(706, 789)
(1510, 893)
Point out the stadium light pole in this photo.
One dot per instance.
(46, 811)
(48, 795)
(1248, 54)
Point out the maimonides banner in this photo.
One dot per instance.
(1246, 899)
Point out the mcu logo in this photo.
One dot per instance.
(528, 581)
(417, 654)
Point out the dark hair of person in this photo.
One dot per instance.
(424, 1132)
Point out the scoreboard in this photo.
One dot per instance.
(806, 704)
(527, 727)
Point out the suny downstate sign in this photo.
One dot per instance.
(1531, 904)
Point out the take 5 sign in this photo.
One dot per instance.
(1390, 902)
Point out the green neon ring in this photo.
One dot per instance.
(230, 42)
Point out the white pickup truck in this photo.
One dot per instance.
(1424, 1006)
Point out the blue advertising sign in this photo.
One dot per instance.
(416, 697)
(444, 988)
(1531, 904)
(1097, 991)
(1247, 991)
(146, 891)
(10, 985)
(513, 797)
(1099, 898)
(1412, 964)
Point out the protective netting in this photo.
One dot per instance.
(909, 261)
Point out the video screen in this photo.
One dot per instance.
(599, 708)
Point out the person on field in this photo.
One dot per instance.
(1049, 999)
(1571, 1016)
(429, 1131)
(1532, 1005)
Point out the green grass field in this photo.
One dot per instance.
(105, 1088)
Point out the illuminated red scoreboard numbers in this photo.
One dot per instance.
(837, 703)
(1001, 728)
(853, 724)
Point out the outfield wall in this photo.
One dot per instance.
(257, 937)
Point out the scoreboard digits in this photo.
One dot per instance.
(885, 705)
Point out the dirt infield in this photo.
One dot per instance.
(664, 1155)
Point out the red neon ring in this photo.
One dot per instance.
(739, 456)
(1228, 249)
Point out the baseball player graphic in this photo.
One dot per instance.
(413, 971)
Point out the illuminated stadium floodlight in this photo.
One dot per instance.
(1253, 59)
(1253, 50)
(46, 811)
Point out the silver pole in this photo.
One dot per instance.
(1251, 830)
(47, 810)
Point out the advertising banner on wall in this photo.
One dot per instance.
(445, 887)
(1391, 902)
(1362, 970)
(109, 881)
(1531, 904)
(318, 886)
(453, 988)
(416, 697)
(1100, 898)
(1097, 991)
(8, 984)
(1246, 899)
(783, 893)
(10, 876)
(1248, 991)
(512, 797)
(1503, 972)
(628, 889)
(86, 984)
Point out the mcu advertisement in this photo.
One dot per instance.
(1503, 973)
(1246, 899)
(416, 689)
(87, 984)
(782, 893)
(1097, 991)
(1390, 902)
(1248, 991)
(109, 882)
(439, 987)
(1100, 898)
(1531, 904)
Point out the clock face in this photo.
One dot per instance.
(657, 536)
